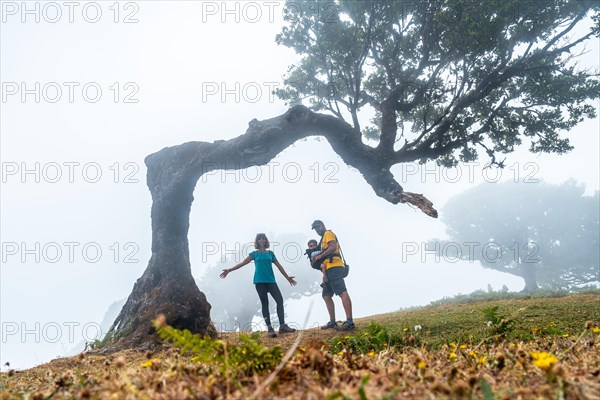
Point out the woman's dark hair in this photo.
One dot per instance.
(261, 236)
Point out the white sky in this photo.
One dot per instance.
(169, 61)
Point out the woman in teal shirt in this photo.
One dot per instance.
(264, 280)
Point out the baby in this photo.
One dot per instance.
(313, 251)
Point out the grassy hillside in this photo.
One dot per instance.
(496, 349)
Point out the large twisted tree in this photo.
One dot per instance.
(442, 80)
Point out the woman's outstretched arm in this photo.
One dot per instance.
(236, 266)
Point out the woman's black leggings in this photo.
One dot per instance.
(263, 289)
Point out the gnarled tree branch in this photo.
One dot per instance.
(263, 140)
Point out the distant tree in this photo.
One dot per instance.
(234, 300)
(547, 234)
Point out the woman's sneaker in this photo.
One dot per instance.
(271, 332)
(330, 325)
(346, 326)
(286, 329)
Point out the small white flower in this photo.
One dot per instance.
(490, 323)
(418, 327)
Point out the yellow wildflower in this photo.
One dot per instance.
(405, 329)
(482, 360)
(565, 335)
(453, 345)
(596, 329)
(534, 330)
(371, 353)
(473, 354)
(463, 346)
(147, 364)
(422, 365)
(543, 360)
(452, 356)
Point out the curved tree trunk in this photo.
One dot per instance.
(167, 285)
(530, 279)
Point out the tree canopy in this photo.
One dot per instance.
(547, 234)
(445, 79)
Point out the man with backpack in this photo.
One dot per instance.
(336, 269)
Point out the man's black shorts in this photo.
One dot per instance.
(335, 282)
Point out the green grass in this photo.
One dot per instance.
(531, 318)
(481, 295)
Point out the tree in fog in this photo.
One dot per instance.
(546, 234)
(444, 80)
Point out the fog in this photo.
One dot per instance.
(84, 102)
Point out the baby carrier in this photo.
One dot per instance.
(310, 253)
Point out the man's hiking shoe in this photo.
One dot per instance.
(330, 325)
(346, 327)
(271, 332)
(286, 329)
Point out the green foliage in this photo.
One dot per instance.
(376, 338)
(486, 388)
(491, 314)
(96, 344)
(498, 323)
(248, 357)
(449, 77)
(252, 356)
